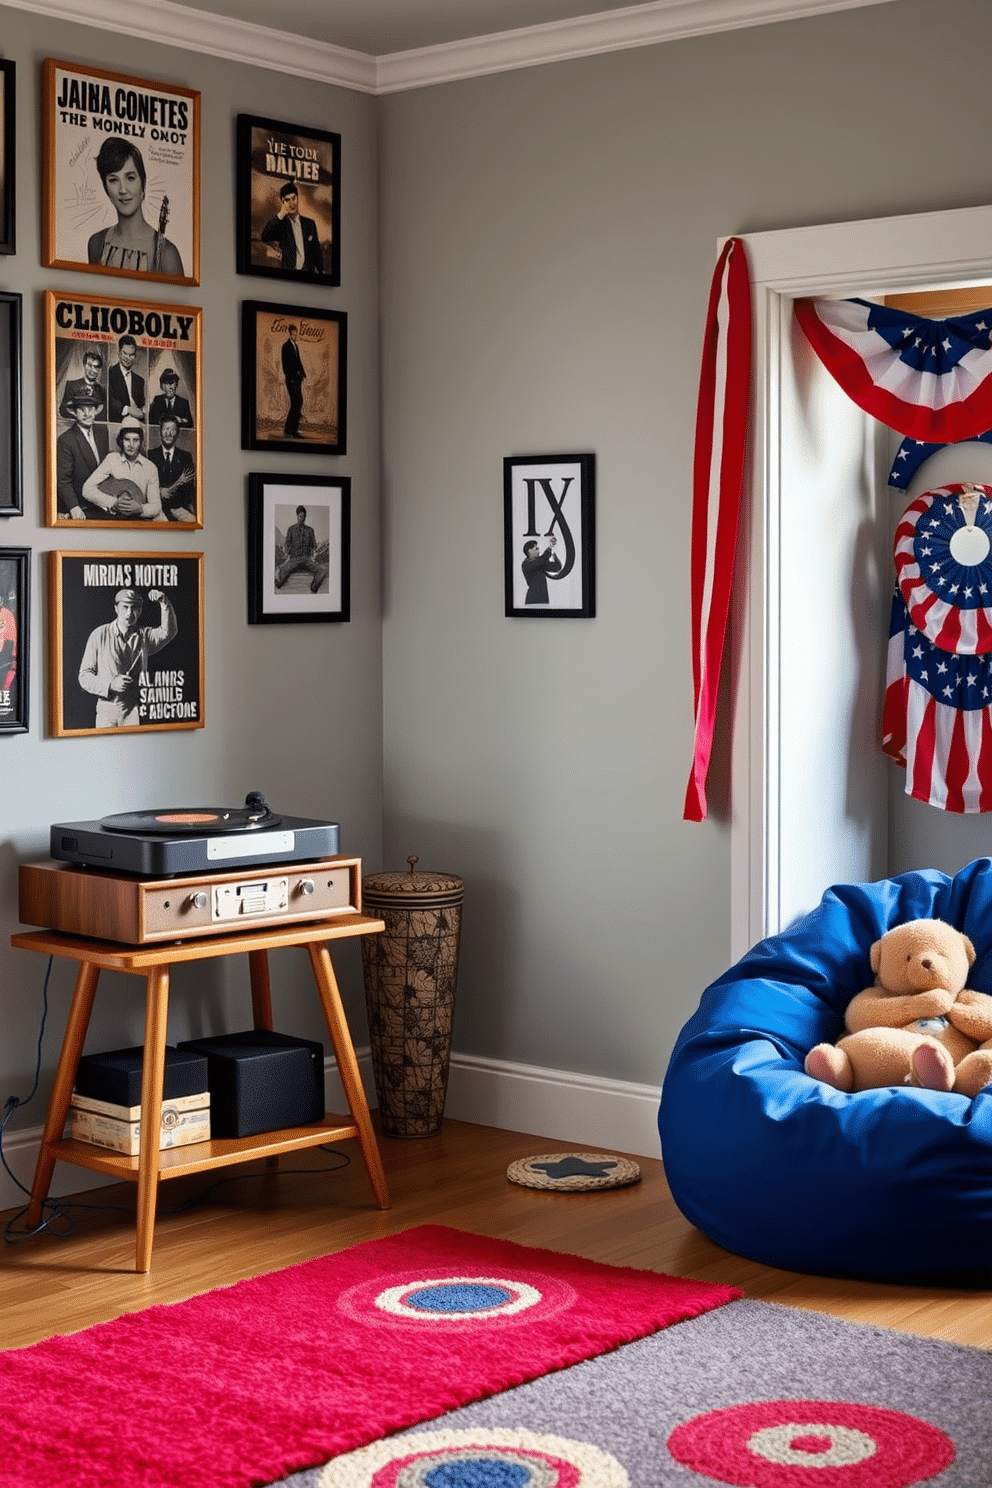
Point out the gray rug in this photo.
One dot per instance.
(751, 1394)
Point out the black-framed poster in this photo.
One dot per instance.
(122, 174)
(288, 201)
(11, 493)
(123, 412)
(15, 638)
(294, 371)
(126, 642)
(548, 536)
(299, 548)
(8, 156)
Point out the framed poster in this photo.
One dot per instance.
(11, 494)
(288, 201)
(122, 174)
(8, 157)
(122, 412)
(15, 633)
(548, 555)
(294, 378)
(126, 642)
(299, 548)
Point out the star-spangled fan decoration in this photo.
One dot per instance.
(937, 716)
(913, 453)
(931, 380)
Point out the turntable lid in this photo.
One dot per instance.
(412, 889)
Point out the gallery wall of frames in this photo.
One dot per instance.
(121, 410)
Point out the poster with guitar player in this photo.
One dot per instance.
(123, 412)
(122, 176)
(125, 642)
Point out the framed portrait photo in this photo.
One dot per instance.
(122, 412)
(126, 642)
(11, 492)
(299, 548)
(122, 158)
(548, 536)
(15, 636)
(8, 156)
(294, 363)
(288, 201)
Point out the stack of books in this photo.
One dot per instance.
(185, 1119)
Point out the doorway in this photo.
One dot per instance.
(813, 799)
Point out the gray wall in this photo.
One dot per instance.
(293, 711)
(548, 238)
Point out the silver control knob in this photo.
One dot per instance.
(198, 900)
(306, 886)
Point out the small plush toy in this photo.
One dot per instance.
(918, 1025)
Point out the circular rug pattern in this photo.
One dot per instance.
(810, 1443)
(459, 1302)
(573, 1172)
(497, 1457)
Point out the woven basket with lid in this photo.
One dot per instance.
(411, 972)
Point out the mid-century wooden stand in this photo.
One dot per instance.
(154, 963)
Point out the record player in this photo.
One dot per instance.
(173, 873)
(171, 840)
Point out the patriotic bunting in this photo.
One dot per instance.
(930, 380)
(717, 482)
(913, 453)
(937, 716)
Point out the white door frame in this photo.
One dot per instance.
(841, 259)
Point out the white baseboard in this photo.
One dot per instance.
(597, 1113)
(557, 1105)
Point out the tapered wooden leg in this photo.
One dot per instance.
(261, 989)
(65, 1075)
(152, 1077)
(344, 1053)
(261, 1003)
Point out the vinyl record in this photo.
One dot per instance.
(186, 821)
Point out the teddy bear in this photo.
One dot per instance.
(918, 1024)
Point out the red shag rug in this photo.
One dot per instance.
(249, 1383)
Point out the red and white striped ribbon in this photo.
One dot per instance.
(722, 414)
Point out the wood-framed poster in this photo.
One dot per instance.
(299, 548)
(11, 493)
(122, 412)
(288, 201)
(548, 536)
(294, 369)
(125, 642)
(15, 636)
(8, 156)
(122, 174)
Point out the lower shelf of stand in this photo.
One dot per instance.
(219, 1152)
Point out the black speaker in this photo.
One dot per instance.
(261, 1081)
(116, 1076)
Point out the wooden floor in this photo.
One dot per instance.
(213, 1230)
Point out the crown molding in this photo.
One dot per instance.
(587, 36)
(168, 24)
(216, 36)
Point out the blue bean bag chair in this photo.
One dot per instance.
(885, 1185)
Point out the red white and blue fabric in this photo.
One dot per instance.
(722, 412)
(944, 568)
(930, 380)
(937, 716)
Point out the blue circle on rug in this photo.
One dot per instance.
(478, 1472)
(459, 1297)
(457, 1302)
